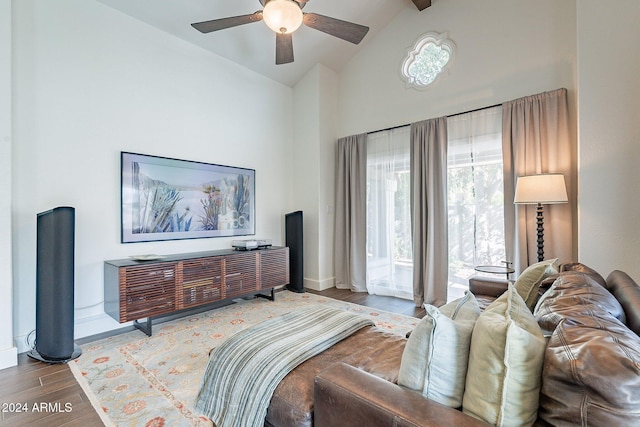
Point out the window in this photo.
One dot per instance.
(475, 203)
(427, 60)
(475, 194)
(389, 250)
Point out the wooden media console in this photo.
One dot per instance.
(135, 290)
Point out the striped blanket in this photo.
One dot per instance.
(245, 369)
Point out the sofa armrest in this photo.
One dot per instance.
(347, 396)
(488, 286)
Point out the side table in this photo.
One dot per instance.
(496, 269)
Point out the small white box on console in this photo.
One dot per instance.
(244, 245)
(264, 243)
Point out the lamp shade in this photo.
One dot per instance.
(543, 189)
(282, 16)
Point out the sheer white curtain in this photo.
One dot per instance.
(389, 260)
(475, 193)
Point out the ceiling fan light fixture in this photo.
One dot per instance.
(282, 16)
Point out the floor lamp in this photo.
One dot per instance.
(543, 189)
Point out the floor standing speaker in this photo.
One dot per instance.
(294, 241)
(54, 286)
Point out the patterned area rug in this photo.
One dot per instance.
(137, 380)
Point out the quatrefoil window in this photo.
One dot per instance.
(428, 60)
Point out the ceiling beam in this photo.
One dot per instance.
(422, 4)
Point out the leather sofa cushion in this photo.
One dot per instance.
(346, 396)
(575, 293)
(581, 268)
(370, 349)
(487, 286)
(627, 292)
(591, 374)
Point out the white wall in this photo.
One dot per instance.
(505, 49)
(8, 355)
(305, 167)
(609, 130)
(328, 83)
(90, 82)
(315, 104)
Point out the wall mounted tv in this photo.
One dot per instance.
(170, 199)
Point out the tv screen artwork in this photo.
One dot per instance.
(169, 199)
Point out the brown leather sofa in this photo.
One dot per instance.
(591, 372)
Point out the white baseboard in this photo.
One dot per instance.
(21, 343)
(319, 285)
(82, 328)
(8, 357)
(95, 325)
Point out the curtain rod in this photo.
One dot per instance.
(450, 115)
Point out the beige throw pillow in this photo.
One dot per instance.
(436, 355)
(505, 364)
(529, 281)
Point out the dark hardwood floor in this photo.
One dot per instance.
(65, 403)
(394, 305)
(39, 394)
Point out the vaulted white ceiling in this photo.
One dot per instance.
(253, 45)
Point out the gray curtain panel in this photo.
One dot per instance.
(351, 210)
(536, 139)
(429, 211)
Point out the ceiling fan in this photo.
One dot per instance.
(284, 17)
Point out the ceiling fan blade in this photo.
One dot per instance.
(284, 48)
(221, 24)
(344, 30)
(422, 4)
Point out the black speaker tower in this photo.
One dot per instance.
(54, 287)
(293, 240)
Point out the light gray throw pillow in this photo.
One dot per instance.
(529, 281)
(505, 364)
(437, 352)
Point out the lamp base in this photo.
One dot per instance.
(540, 229)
